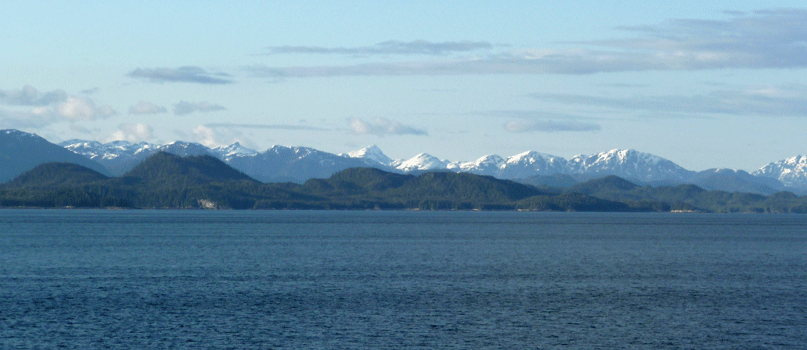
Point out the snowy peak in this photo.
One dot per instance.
(234, 150)
(184, 149)
(20, 135)
(617, 156)
(287, 151)
(790, 171)
(371, 152)
(483, 165)
(628, 164)
(532, 157)
(421, 161)
(531, 163)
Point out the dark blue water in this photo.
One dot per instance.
(82, 279)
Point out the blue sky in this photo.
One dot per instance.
(715, 84)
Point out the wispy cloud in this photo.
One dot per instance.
(764, 39)
(542, 121)
(187, 74)
(392, 47)
(30, 96)
(144, 107)
(753, 100)
(184, 107)
(266, 126)
(521, 126)
(382, 127)
(132, 133)
(12, 119)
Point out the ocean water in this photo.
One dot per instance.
(87, 279)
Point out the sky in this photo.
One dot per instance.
(704, 84)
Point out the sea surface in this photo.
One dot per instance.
(140, 279)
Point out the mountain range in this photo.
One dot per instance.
(20, 152)
(167, 181)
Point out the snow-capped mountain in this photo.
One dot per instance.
(526, 164)
(372, 153)
(791, 171)
(421, 162)
(628, 164)
(234, 150)
(488, 165)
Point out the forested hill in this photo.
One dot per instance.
(173, 182)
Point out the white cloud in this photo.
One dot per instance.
(80, 108)
(220, 136)
(205, 136)
(381, 127)
(144, 107)
(132, 133)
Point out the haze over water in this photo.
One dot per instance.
(400, 280)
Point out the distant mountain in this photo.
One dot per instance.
(21, 152)
(555, 180)
(736, 181)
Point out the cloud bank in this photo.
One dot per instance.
(187, 74)
(764, 39)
